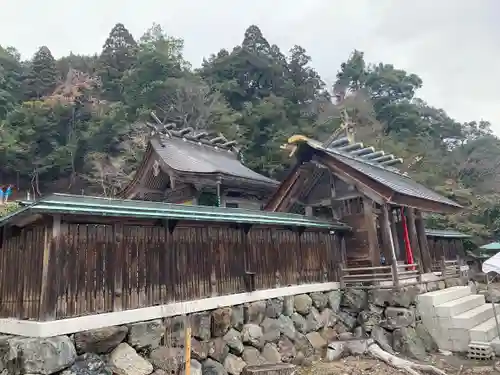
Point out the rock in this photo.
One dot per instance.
(371, 317)
(355, 299)
(317, 342)
(146, 334)
(360, 333)
(380, 297)
(303, 304)
(88, 364)
(271, 353)
(346, 336)
(274, 307)
(252, 356)
(405, 297)
(271, 330)
(196, 368)
(328, 318)
(452, 282)
(30, 355)
(287, 327)
(335, 351)
(302, 344)
(356, 347)
(432, 286)
(252, 334)
(238, 317)
(407, 342)
(286, 349)
(300, 323)
(234, 365)
(218, 349)
(100, 341)
(255, 312)
(341, 328)
(314, 320)
(233, 341)
(175, 327)
(424, 335)
(221, 321)
(200, 325)
(347, 319)
(125, 361)
(329, 334)
(334, 298)
(211, 367)
(319, 299)
(288, 305)
(383, 338)
(397, 317)
(168, 359)
(199, 349)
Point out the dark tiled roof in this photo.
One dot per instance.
(445, 233)
(185, 155)
(381, 172)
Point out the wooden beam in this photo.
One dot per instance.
(51, 245)
(412, 233)
(387, 236)
(119, 252)
(282, 197)
(422, 240)
(394, 232)
(373, 246)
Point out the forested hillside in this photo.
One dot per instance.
(76, 124)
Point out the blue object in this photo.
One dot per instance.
(8, 192)
(1, 194)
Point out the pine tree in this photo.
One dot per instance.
(117, 56)
(42, 75)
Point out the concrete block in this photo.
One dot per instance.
(459, 306)
(485, 332)
(439, 297)
(459, 346)
(495, 344)
(459, 334)
(474, 317)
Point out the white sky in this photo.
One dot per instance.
(451, 44)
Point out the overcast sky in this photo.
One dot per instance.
(452, 44)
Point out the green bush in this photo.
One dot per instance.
(8, 208)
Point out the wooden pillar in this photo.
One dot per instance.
(385, 226)
(387, 238)
(119, 263)
(412, 233)
(373, 246)
(394, 233)
(51, 246)
(422, 240)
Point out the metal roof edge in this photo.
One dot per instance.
(446, 233)
(65, 203)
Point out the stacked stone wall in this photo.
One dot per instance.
(293, 329)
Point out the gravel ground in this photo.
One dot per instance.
(452, 365)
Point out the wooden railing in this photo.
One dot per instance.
(378, 275)
(397, 274)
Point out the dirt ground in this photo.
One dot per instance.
(452, 365)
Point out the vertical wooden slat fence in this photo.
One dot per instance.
(104, 267)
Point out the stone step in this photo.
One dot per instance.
(439, 297)
(474, 317)
(485, 332)
(459, 306)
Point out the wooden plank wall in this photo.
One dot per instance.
(96, 268)
(450, 248)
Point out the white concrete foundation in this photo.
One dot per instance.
(85, 323)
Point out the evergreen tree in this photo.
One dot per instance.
(42, 74)
(117, 56)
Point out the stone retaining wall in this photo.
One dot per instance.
(296, 329)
